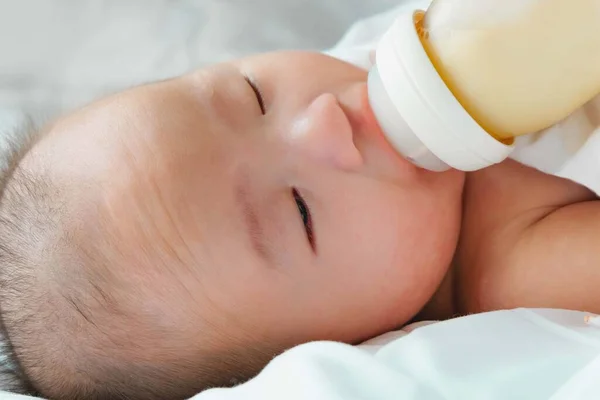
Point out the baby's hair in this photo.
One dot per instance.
(12, 378)
(33, 355)
(13, 146)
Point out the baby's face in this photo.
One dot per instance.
(270, 182)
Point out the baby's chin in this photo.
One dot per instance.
(447, 185)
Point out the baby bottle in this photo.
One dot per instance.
(452, 87)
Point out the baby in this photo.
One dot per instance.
(178, 235)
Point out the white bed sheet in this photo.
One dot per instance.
(505, 355)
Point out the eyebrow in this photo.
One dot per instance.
(253, 224)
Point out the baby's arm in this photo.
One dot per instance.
(529, 240)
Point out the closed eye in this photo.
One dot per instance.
(306, 218)
(258, 94)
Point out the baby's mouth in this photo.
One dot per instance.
(368, 136)
(355, 103)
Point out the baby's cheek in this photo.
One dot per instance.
(420, 252)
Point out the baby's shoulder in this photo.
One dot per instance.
(519, 231)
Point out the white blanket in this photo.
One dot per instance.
(516, 355)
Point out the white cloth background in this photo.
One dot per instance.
(58, 54)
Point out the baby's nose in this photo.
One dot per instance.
(323, 132)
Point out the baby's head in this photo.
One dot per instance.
(178, 235)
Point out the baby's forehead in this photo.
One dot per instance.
(139, 122)
(154, 148)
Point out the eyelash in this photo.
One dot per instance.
(306, 217)
(258, 94)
